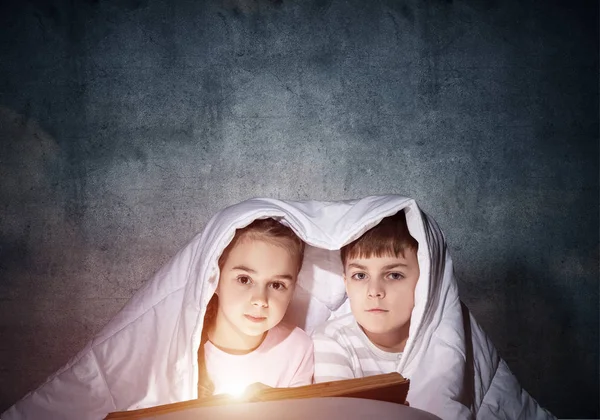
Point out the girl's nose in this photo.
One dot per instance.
(259, 298)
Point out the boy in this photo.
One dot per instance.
(380, 274)
(408, 318)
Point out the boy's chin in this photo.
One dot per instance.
(375, 329)
(371, 327)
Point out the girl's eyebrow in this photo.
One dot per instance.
(288, 277)
(244, 268)
(284, 277)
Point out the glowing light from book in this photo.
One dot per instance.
(235, 389)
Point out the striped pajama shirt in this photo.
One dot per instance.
(343, 351)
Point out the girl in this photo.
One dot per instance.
(243, 341)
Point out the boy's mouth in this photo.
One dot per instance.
(377, 310)
(256, 319)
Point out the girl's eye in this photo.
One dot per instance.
(359, 276)
(278, 286)
(395, 276)
(244, 280)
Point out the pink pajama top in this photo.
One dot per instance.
(284, 359)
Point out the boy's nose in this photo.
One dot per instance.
(375, 290)
(376, 294)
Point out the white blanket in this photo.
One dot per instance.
(147, 354)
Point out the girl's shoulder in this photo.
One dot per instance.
(291, 335)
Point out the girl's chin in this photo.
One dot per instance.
(254, 330)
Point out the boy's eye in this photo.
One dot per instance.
(278, 286)
(244, 280)
(396, 276)
(359, 276)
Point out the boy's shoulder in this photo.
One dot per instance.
(336, 326)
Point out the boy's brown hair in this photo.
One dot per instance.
(388, 238)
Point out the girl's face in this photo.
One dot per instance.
(255, 288)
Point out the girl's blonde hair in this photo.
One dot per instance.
(268, 230)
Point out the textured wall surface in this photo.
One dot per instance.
(125, 125)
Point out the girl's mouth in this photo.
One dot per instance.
(256, 319)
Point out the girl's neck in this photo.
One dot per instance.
(226, 337)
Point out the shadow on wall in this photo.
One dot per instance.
(247, 7)
(558, 349)
(37, 305)
(29, 203)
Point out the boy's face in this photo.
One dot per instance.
(255, 288)
(382, 292)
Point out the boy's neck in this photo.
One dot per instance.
(392, 341)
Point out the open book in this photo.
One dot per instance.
(390, 387)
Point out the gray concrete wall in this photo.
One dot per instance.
(124, 125)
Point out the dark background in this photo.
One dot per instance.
(125, 125)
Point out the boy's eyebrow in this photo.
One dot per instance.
(249, 270)
(355, 265)
(387, 267)
(390, 266)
